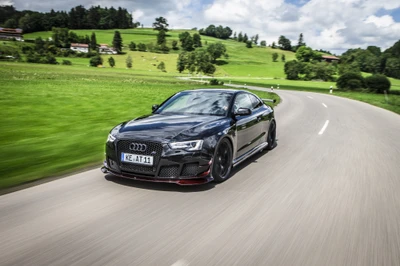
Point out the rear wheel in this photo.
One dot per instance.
(222, 164)
(271, 138)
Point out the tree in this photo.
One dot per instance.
(11, 23)
(161, 37)
(292, 69)
(161, 66)
(284, 43)
(392, 68)
(305, 54)
(181, 63)
(249, 44)
(275, 57)
(186, 41)
(161, 24)
(240, 37)
(255, 39)
(96, 61)
(175, 45)
(301, 41)
(196, 40)
(93, 41)
(132, 46)
(142, 47)
(117, 42)
(283, 58)
(216, 50)
(273, 45)
(378, 83)
(351, 81)
(245, 38)
(111, 61)
(263, 43)
(128, 62)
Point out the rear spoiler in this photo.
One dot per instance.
(269, 100)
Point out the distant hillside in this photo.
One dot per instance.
(254, 62)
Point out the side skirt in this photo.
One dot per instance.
(250, 153)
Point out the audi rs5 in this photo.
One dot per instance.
(193, 137)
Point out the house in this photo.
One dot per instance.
(105, 49)
(330, 58)
(80, 47)
(7, 33)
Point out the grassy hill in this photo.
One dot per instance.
(246, 62)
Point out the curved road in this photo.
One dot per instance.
(329, 194)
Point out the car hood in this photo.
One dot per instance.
(164, 128)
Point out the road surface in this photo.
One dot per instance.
(328, 194)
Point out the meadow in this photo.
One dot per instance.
(255, 62)
(55, 119)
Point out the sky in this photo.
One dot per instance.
(333, 25)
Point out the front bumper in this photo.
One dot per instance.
(170, 166)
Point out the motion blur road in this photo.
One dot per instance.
(328, 194)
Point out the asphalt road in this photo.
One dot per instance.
(328, 194)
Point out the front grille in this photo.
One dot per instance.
(169, 171)
(153, 149)
(135, 168)
(190, 169)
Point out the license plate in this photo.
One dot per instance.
(136, 158)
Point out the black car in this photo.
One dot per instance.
(193, 137)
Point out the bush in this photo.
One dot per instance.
(378, 83)
(350, 81)
(216, 82)
(96, 60)
(161, 66)
(66, 62)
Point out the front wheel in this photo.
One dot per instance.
(222, 164)
(271, 138)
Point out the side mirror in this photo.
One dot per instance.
(243, 111)
(154, 107)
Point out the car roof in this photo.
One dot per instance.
(216, 90)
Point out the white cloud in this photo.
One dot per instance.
(335, 25)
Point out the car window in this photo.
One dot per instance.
(242, 101)
(255, 101)
(197, 103)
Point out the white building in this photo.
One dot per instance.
(104, 49)
(80, 47)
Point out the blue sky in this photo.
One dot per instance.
(334, 25)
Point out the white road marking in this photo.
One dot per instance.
(323, 128)
(181, 263)
(325, 105)
(310, 97)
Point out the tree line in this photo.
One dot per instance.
(78, 17)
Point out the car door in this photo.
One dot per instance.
(247, 126)
(263, 118)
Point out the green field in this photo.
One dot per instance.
(255, 62)
(55, 119)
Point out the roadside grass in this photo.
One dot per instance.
(55, 118)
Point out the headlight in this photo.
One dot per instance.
(113, 134)
(110, 138)
(193, 145)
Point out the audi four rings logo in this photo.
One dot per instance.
(137, 147)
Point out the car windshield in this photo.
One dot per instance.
(197, 103)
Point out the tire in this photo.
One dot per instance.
(271, 137)
(222, 163)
